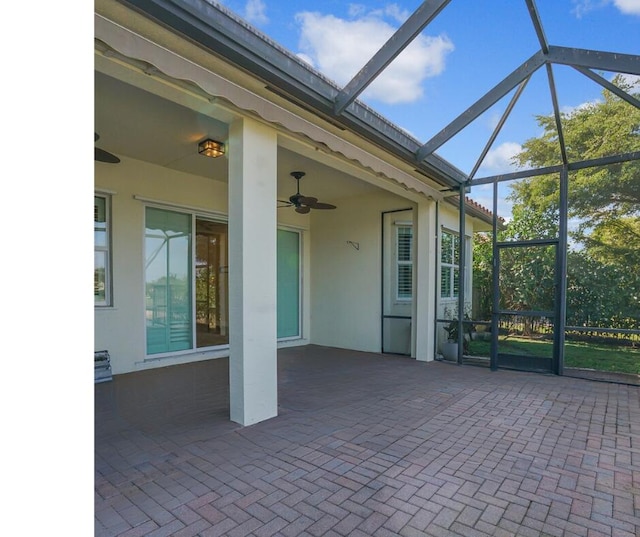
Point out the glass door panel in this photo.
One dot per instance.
(212, 283)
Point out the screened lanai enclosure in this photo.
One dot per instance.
(555, 284)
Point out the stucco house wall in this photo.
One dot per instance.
(346, 290)
(131, 186)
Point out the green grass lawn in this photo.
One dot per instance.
(577, 354)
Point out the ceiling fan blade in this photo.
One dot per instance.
(304, 200)
(284, 203)
(304, 204)
(105, 156)
(320, 205)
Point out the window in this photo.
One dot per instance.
(187, 282)
(404, 262)
(449, 265)
(288, 284)
(102, 258)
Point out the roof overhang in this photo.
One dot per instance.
(220, 32)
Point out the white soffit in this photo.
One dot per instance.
(134, 46)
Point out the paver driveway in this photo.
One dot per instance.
(371, 445)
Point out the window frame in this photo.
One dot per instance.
(105, 250)
(453, 267)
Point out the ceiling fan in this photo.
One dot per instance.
(303, 204)
(104, 156)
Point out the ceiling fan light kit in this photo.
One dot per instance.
(304, 204)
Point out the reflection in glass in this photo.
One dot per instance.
(168, 281)
(212, 284)
(100, 277)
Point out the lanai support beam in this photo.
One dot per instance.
(495, 283)
(561, 273)
(557, 116)
(482, 105)
(499, 126)
(595, 59)
(537, 25)
(462, 273)
(572, 166)
(609, 86)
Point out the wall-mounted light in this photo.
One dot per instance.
(211, 148)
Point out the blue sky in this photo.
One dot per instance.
(462, 54)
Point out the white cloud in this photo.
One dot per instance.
(397, 13)
(568, 110)
(339, 48)
(582, 7)
(391, 10)
(628, 7)
(499, 160)
(357, 10)
(255, 12)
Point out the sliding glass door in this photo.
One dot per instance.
(187, 282)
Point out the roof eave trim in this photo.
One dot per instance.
(216, 29)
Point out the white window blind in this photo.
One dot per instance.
(404, 262)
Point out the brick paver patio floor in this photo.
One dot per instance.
(371, 445)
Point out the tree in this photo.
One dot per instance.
(604, 212)
(603, 201)
(604, 207)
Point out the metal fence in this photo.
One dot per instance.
(542, 327)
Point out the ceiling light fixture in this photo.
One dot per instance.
(211, 148)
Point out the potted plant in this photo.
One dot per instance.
(450, 347)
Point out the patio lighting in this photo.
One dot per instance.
(211, 148)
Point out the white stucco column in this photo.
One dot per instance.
(253, 382)
(425, 282)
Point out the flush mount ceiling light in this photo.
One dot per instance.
(211, 148)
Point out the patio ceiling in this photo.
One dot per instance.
(131, 123)
(224, 34)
